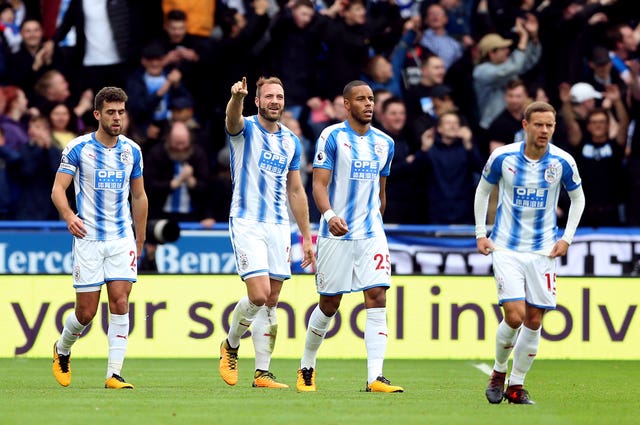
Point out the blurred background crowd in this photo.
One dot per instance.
(451, 80)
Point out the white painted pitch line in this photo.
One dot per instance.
(484, 368)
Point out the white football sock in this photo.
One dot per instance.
(316, 330)
(70, 334)
(243, 315)
(263, 334)
(375, 339)
(524, 354)
(118, 335)
(505, 340)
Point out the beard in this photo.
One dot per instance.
(362, 120)
(180, 156)
(107, 129)
(265, 113)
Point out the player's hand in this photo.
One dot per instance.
(76, 227)
(309, 256)
(239, 89)
(337, 226)
(559, 249)
(485, 247)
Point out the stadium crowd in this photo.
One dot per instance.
(451, 80)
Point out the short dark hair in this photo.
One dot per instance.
(351, 85)
(109, 94)
(391, 101)
(176, 15)
(537, 107)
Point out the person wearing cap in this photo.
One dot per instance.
(499, 65)
(601, 72)
(580, 99)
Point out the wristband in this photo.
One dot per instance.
(328, 215)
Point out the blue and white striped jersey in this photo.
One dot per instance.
(101, 178)
(260, 162)
(357, 163)
(528, 196)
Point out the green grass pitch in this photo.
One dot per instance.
(189, 391)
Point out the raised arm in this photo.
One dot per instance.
(233, 120)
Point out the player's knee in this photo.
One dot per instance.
(85, 316)
(514, 319)
(258, 299)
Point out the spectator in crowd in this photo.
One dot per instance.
(435, 37)
(379, 97)
(187, 53)
(240, 48)
(624, 47)
(580, 100)
(53, 87)
(348, 40)
(8, 157)
(418, 97)
(566, 28)
(295, 38)
(176, 182)
(31, 60)
(441, 102)
(104, 45)
(459, 17)
(152, 89)
(600, 72)
(221, 187)
(64, 124)
(401, 197)
(383, 73)
(10, 29)
(200, 16)
(507, 126)
(633, 150)
(450, 164)
(14, 120)
(35, 171)
(600, 161)
(498, 66)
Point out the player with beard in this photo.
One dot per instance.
(265, 170)
(350, 170)
(105, 167)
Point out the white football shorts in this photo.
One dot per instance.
(352, 265)
(98, 262)
(525, 276)
(261, 248)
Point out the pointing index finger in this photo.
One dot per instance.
(244, 83)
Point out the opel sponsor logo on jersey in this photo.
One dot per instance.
(530, 197)
(109, 179)
(364, 169)
(272, 162)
